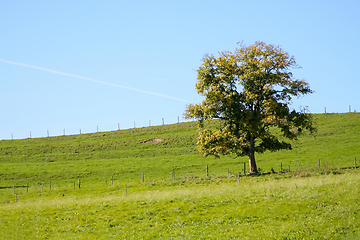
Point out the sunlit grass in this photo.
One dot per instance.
(271, 207)
(307, 202)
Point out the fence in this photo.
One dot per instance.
(78, 184)
(118, 125)
(97, 129)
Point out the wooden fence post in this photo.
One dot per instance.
(207, 171)
(79, 183)
(355, 162)
(142, 176)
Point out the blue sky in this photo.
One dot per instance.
(156, 47)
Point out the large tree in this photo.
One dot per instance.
(249, 90)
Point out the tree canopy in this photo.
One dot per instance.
(250, 91)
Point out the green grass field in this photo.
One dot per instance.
(306, 203)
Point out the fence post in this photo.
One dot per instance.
(79, 183)
(142, 176)
(319, 163)
(163, 121)
(207, 171)
(355, 162)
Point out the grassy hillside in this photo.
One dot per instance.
(304, 203)
(126, 154)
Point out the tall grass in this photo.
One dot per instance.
(264, 207)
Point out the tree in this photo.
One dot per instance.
(249, 91)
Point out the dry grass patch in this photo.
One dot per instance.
(154, 140)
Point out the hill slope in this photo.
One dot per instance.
(126, 154)
(302, 204)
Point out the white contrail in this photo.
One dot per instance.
(90, 79)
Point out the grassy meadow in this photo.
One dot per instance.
(114, 202)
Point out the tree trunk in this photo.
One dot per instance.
(251, 155)
(252, 163)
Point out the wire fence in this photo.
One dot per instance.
(81, 130)
(19, 190)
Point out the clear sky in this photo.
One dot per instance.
(85, 64)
